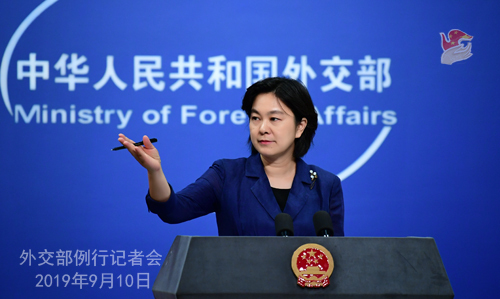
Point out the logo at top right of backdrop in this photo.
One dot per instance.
(453, 47)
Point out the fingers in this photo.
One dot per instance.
(131, 148)
(146, 155)
(128, 144)
(137, 152)
(147, 143)
(122, 138)
(467, 48)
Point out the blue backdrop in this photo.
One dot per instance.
(414, 140)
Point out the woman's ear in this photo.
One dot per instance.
(301, 127)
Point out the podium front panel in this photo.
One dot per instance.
(260, 267)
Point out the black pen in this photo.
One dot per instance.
(153, 140)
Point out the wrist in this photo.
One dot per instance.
(155, 172)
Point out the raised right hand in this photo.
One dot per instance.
(146, 155)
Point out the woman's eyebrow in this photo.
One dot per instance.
(274, 111)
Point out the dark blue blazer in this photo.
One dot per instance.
(238, 191)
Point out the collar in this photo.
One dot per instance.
(297, 197)
(255, 168)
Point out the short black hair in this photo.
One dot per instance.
(296, 97)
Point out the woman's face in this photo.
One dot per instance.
(272, 127)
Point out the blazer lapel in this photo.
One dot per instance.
(299, 194)
(261, 189)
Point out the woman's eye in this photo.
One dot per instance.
(254, 118)
(274, 119)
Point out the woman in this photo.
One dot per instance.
(247, 193)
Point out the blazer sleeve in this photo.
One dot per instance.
(337, 207)
(197, 199)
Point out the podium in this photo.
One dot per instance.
(260, 267)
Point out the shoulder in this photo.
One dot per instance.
(230, 163)
(251, 164)
(222, 172)
(229, 167)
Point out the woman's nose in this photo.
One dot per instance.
(263, 129)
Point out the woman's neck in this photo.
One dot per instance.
(280, 172)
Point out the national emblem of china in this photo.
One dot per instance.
(313, 265)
